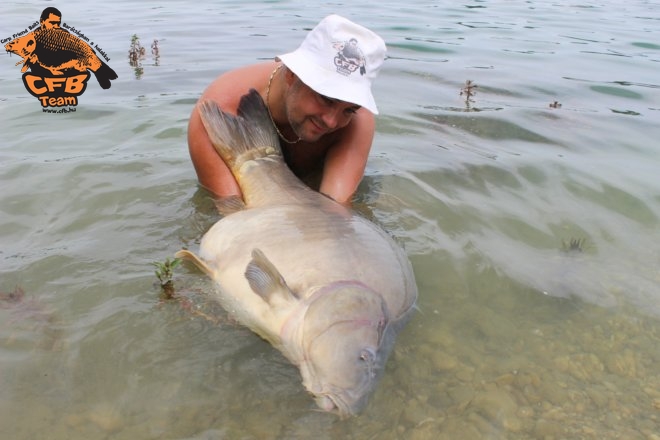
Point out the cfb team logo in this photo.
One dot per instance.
(58, 61)
(349, 57)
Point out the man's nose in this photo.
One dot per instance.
(332, 118)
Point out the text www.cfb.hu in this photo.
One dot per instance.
(62, 110)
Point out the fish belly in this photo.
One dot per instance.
(311, 248)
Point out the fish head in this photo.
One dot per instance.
(343, 346)
(23, 46)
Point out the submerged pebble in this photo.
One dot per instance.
(105, 417)
(548, 429)
(498, 407)
(622, 364)
(582, 366)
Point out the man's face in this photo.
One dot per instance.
(313, 115)
(52, 22)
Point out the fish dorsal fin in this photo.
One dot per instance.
(229, 205)
(266, 281)
(185, 254)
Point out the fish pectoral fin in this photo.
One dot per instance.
(229, 205)
(265, 280)
(185, 254)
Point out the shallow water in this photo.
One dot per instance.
(532, 229)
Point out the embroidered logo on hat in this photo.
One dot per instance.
(330, 57)
(349, 57)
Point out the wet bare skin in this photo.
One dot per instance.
(336, 135)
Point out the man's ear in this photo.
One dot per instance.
(289, 76)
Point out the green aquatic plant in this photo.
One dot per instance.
(14, 296)
(468, 90)
(573, 245)
(164, 272)
(135, 55)
(155, 51)
(136, 52)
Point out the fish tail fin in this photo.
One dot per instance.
(248, 135)
(185, 254)
(104, 74)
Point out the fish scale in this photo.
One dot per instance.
(58, 40)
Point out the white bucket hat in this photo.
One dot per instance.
(339, 59)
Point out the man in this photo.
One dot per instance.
(51, 18)
(320, 103)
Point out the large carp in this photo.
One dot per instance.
(322, 284)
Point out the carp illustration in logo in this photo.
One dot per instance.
(58, 61)
(349, 57)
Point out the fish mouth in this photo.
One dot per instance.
(333, 403)
(344, 403)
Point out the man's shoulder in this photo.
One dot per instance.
(229, 86)
(250, 72)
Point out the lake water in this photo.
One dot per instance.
(531, 215)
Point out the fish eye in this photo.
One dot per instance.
(367, 355)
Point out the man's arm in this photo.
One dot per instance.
(226, 90)
(345, 162)
(212, 172)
